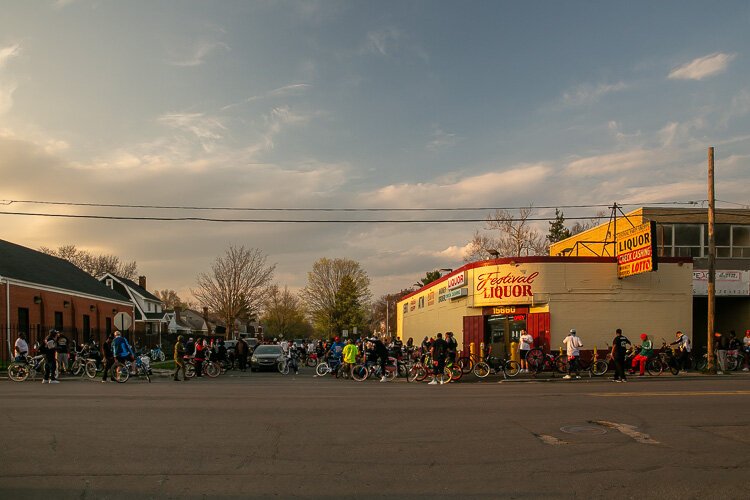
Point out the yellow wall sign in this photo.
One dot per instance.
(636, 250)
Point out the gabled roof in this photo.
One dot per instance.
(24, 264)
(135, 287)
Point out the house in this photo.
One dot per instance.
(39, 292)
(149, 309)
(187, 322)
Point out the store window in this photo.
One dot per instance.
(664, 235)
(687, 240)
(741, 241)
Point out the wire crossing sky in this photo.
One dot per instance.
(384, 132)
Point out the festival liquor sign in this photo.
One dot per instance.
(503, 285)
(636, 250)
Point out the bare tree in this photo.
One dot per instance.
(95, 265)
(172, 300)
(579, 227)
(284, 314)
(324, 283)
(236, 285)
(515, 236)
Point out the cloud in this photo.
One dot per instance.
(199, 52)
(441, 140)
(208, 130)
(702, 67)
(9, 52)
(390, 42)
(482, 188)
(611, 163)
(293, 89)
(587, 94)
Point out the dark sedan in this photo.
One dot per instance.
(265, 357)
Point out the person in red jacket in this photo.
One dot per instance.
(200, 356)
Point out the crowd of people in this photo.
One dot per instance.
(626, 357)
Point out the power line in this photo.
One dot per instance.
(326, 221)
(327, 209)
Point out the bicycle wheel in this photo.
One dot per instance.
(189, 370)
(121, 373)
(599, 368)
(445, 376)
(416, 373)
(18, 372)
(456, 373)
(465, 364)
(481, 369)
(561, 364)
(732, 363)
(212, 369)
(360, 373)
(701, 364)
(310, 362)
(654, 366)
(674, 369)
(322, 369)
(535, 360)
(283, 367)
(91, 369)
(512, 368)
(144, 372)
(390, 373)
(161, 356)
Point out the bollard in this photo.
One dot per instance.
(472, 350)
(481, 351)
(514, 354)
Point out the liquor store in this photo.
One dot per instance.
(489, 302)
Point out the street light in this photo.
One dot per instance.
(493, 253)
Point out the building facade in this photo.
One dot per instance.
(683, 232)
(490, 302)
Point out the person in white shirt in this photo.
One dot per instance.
(22, 348)
(285, 346)
(525, 341)
(573, 345)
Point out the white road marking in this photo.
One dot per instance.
(628, 430)
(544, 438)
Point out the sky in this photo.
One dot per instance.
(357, 104)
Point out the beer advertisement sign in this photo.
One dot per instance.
(636, 250)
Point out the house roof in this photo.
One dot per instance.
(135, 286)
(24, 264)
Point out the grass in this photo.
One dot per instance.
(163, 365)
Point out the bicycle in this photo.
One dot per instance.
(540, 361)
(289, 362)
(19, 371)
(209, 368)
(85, 363)
(595, 366)
(157, 354)
(421, 371)
(121, 372)
(495, 365)
(364, 370)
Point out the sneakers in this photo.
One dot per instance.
(567, 377)
(616, 380)
(104, 381)
(432, 382)
(383, 379)
(746, 369)
(624, 380)
(54, 381)
(45, 381)
(578, 376)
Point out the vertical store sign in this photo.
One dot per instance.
(636, 250)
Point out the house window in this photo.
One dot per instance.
(23, 321)
(58, 320)
(86, 327)
(108, 326)
(109, 282)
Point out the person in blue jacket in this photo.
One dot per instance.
(122, 350)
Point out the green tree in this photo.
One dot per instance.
(430, 276)
(557, 229)
(348, 312)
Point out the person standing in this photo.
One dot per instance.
(200, 357)
(647, 350)
(438, 352)
(63, 353)
(451, 347)
(525, 341)
(746, 349)
(21, 348)
(179, 359)
(573, 346)
(108, 356)
(683, 343)
(49, 349)
(381, 353)
(720, 348)
(350, 354)
(619, 348)
(241, 350)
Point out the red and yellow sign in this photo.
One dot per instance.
(636, 250)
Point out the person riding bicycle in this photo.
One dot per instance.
(381, 353)
(573, 346)
(293, 355)
(647, 350)
(123, 351)
(21, 348)
(336, 349)
(200, 356)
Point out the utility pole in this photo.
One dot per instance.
(711, 262)
(387, 318)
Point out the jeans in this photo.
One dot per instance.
(198, 367)
(439, 367)
(382, 361)
(619, 367)
(108, 362)
(573, 365)
(721, 359)
(242, 361)
(50, 369)
(63, 359)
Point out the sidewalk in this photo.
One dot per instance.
(558, 377)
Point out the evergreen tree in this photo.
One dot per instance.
(557, 229)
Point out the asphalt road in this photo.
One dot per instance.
(265, 435)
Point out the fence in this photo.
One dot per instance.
(37, 333)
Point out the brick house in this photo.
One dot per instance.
(39, 292)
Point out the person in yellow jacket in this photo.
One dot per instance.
(349, 354)
(179, 362)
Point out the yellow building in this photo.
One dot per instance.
(683, 232)
(491, 301)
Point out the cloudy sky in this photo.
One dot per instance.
(357, 104)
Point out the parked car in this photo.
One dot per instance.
(265, 357)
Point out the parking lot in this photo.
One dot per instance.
(263, 434)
